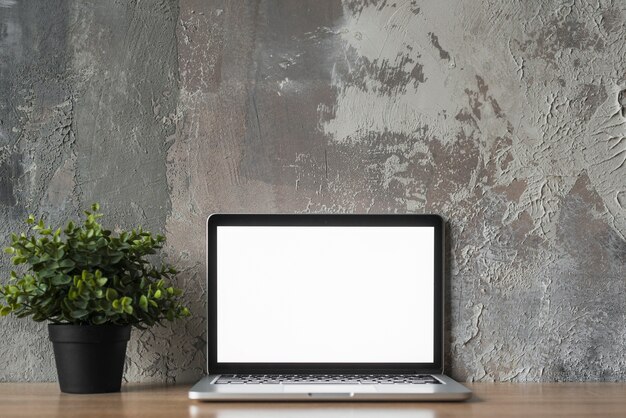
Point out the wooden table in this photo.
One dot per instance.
(490, 400)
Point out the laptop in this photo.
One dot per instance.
(325, 307)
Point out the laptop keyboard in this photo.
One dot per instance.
(326, 378)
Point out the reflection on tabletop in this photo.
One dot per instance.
(311, 411)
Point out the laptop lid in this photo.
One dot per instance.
(325, 293)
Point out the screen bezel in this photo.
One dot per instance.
(321, 220)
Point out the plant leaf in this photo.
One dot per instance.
(111, 294)
(66, 262)
(60, 279)
(79, 313)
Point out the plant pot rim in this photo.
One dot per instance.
(88, 334)
(107, 324)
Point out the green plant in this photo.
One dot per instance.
(86, 275)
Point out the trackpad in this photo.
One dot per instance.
(320, 388)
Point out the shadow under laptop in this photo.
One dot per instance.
(308, 410)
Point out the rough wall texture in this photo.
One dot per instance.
(508, 118)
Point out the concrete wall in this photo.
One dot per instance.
(508, 118)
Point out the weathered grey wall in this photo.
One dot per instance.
(508, 118)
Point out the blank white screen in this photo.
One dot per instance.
(325, 294)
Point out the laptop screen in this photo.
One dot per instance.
(325, 294)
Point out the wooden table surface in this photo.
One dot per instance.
(490, 400)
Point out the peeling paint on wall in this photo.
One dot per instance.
(507, 118)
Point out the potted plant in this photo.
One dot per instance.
(92, 286)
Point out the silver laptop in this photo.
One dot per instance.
(325, 307)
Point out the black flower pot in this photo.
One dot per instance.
(89, 358)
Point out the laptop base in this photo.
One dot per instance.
(447, 390)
